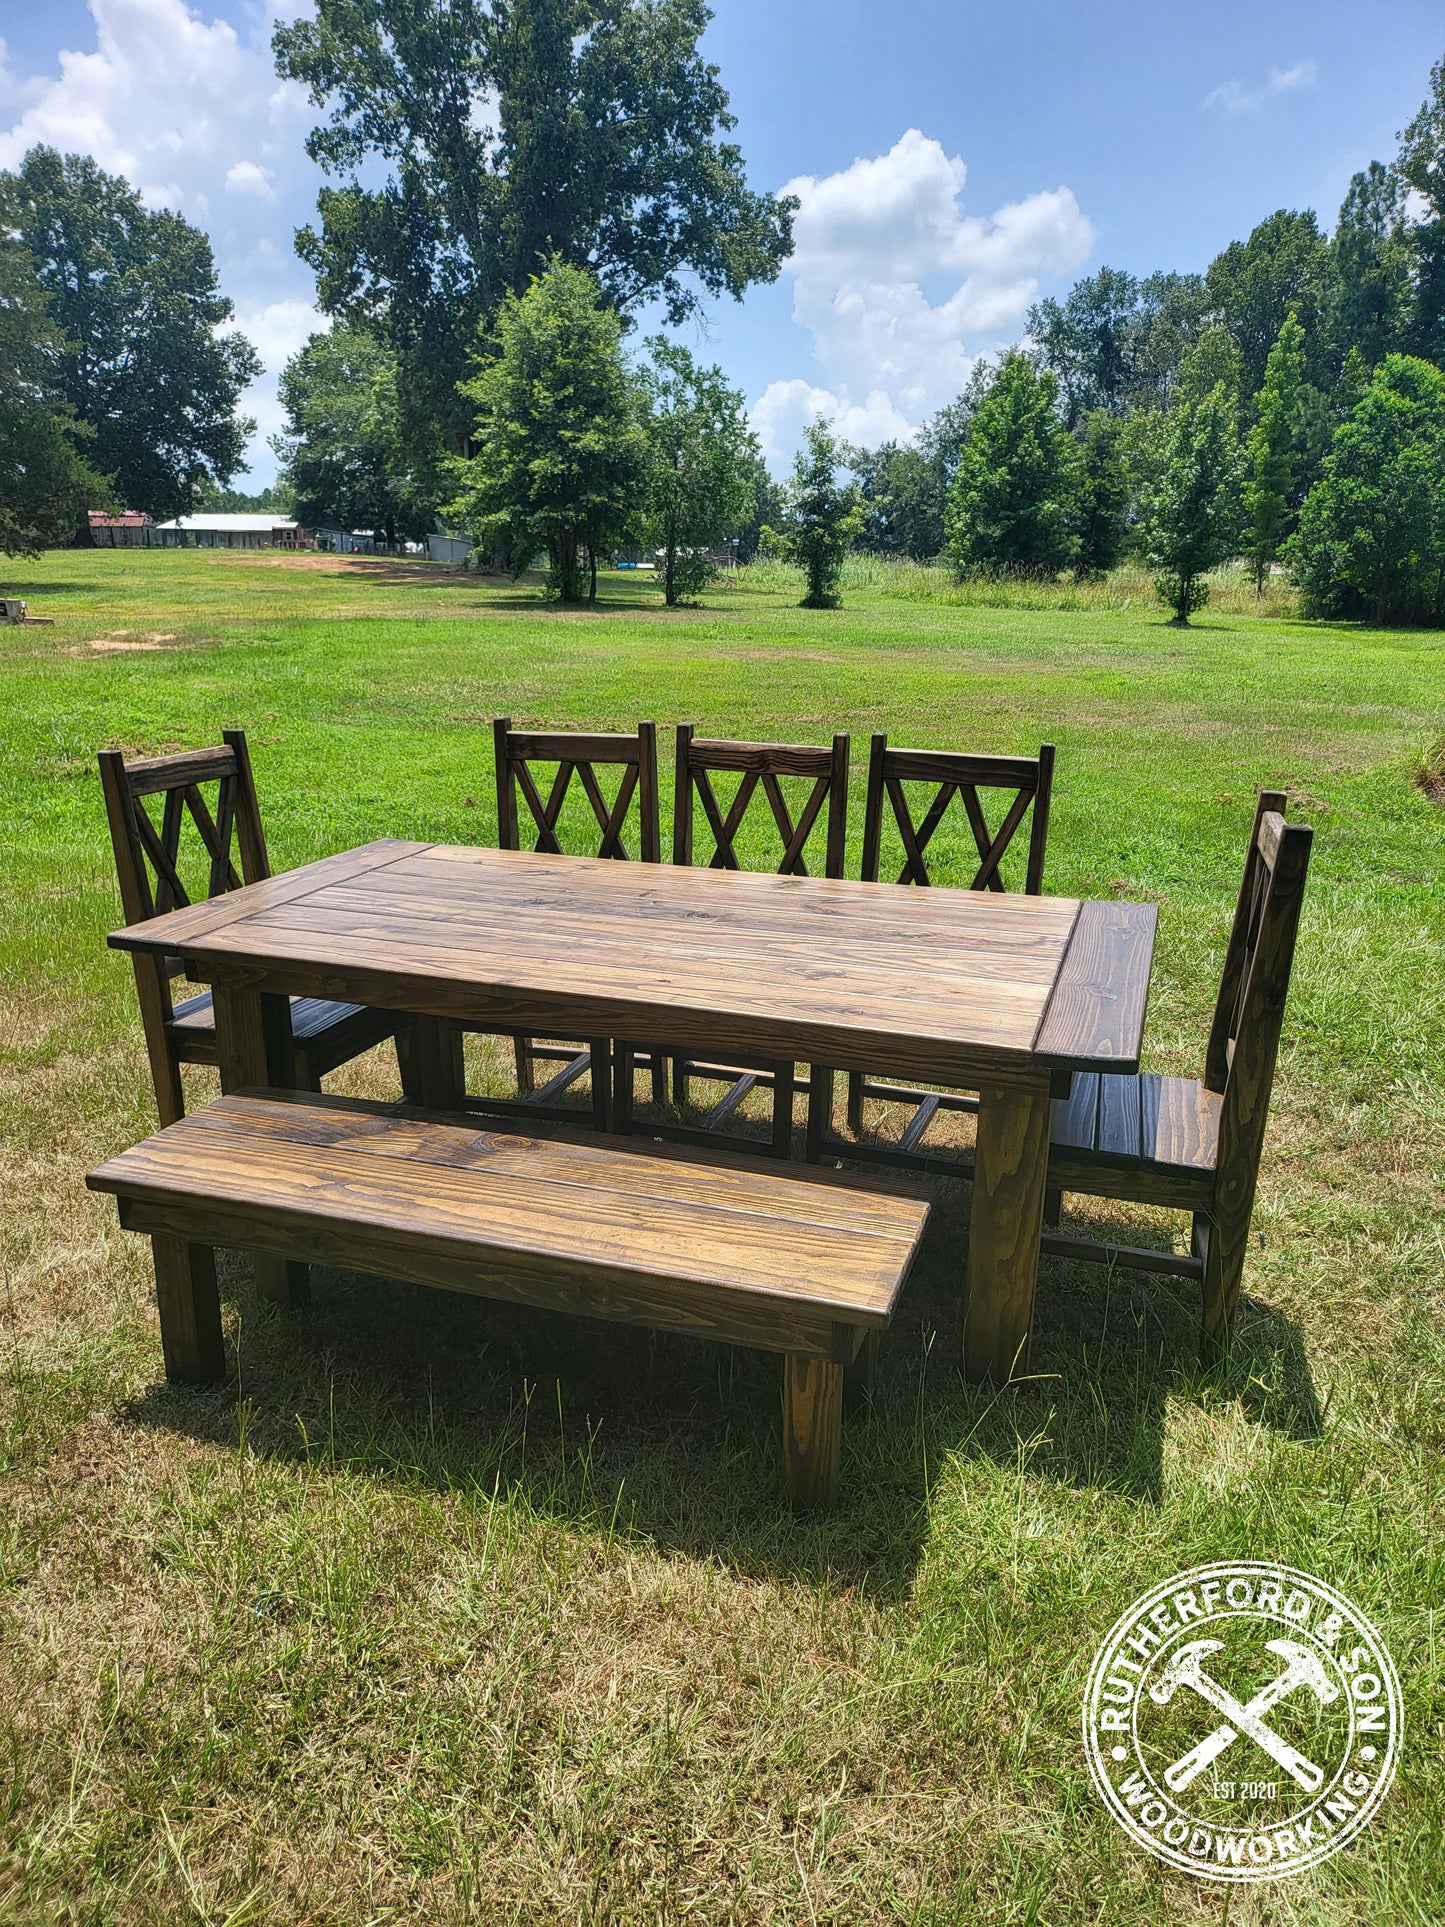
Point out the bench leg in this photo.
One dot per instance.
(858, 1377)
(812, 1431)
(190, 1310)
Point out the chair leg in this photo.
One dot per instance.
(820, 1111)
(1053, 1206)
(812, 1431)
(855, 1103)
(784, 1077)
(526, 1076)
(1223, 1256)
(601, 1049)
(624, 1075)
(679, 1081)
(305, 1071)
(659, 1074)
(190, 1310)
(166, 1081)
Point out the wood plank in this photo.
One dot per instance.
(659, 1221)
(948, 766)
(164, 936)
(571, 747)
(150, 775)
(253, 1047)
(779, 759)
(1076, 1117)
(1095, 1017)
(1119, 1118)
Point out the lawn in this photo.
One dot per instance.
(443, 1612)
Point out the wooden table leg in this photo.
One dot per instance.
(1010, 1169)
(812, 1431)
(433, 1063)
(253, 1035)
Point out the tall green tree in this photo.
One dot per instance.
(822, 515)
(1194, 518)
(1089, 341)
(134, 295)
(1102, 511)
(472, 141)
(1285, 263)
(45, 485)
(1270, 453)
(1421, 165)
(560, 458)
(1013, 500)
(1172, 312)
(1371, 538)
(1372, 289)
(701, 461)
(341, 454)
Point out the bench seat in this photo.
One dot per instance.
(808, 1265)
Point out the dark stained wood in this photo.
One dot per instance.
(1171, 1141)
(589, 1225)
(1096, 1012)
(812, 1431)
(1005, 1223)
(148, 868)
(253, 1047)
(576, 754)
(190, 1310)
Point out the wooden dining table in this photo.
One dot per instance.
(1005, 995)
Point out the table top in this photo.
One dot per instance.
(939, 984)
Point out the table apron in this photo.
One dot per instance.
(504, 1008)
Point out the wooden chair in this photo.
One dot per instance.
(950, 777)
(323, 1034)
(759, 766)
(578, 756)
(1196, 1146)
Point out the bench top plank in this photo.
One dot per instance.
(858, 974)
(838, 1250)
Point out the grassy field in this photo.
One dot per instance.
(443, 1613)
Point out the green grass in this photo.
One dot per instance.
(445, 1612)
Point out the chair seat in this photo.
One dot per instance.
(1111, 1131)
(329, 1032)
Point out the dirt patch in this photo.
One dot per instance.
(123, 642)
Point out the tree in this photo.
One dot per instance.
(1194, 518)
(1103, 494)
(1421, 165)
(1253, 284)
(701, 455)
(512, 132)
(1213, 361)
(1371, 537)
(1013, 499)
(1089, 343)
(560, 460)
(1372, 267)
(1270, 450)
(341, 454)
(821, 516)
(1171, 315)
(133, 293)
(45, 486)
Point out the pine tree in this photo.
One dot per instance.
(1194, 519)
(1014, 496)
(822, 517)
(1270, 452)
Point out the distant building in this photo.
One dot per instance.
(449, 548)
(128, 530)
(231, 532)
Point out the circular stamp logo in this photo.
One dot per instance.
(1243, 1721)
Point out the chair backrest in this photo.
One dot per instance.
(1031, 780)
(577, 754)
(148, 855)
(1244, 1038)
(761, 766)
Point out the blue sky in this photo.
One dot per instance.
(955, 161)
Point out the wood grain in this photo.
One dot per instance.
(190, 1310)
(1095, 1016)
(1005, 1221)
(812, 1431)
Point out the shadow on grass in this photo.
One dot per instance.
(616, 1430)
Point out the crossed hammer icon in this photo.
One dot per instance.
(1186, 1668)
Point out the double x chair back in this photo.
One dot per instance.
(809, 835)
(153, 860)
(577, 756)
(951, 778)
(1195, 1146)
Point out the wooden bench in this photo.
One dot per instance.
(808, 1265)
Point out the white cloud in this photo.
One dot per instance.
(190, 111)
(247, 177)
(902, 291)
(1235, 98)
